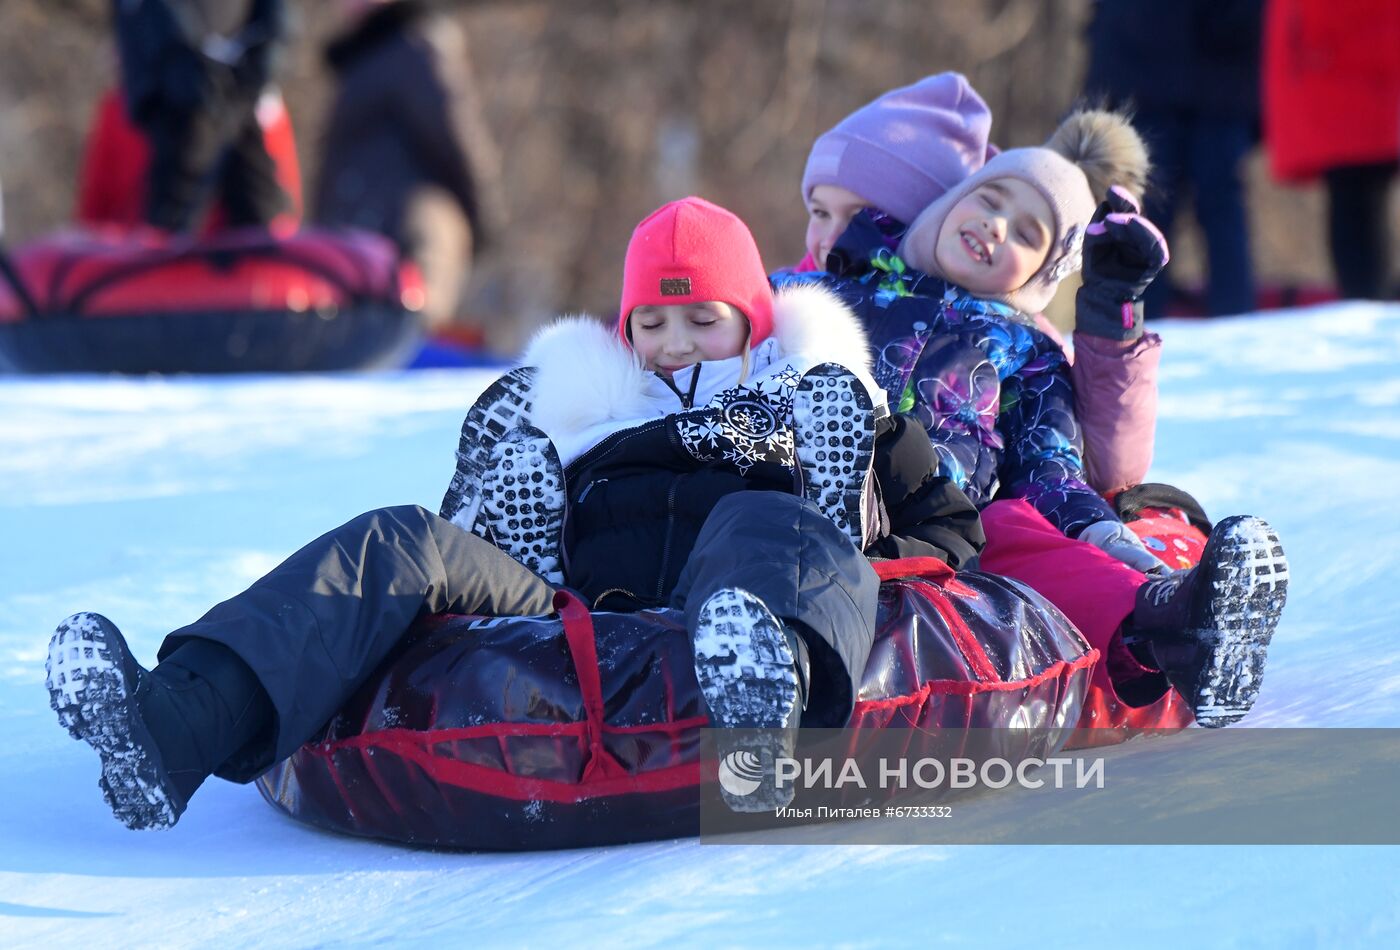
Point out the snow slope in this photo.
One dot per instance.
(149, 500)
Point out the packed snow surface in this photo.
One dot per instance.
(149, 500)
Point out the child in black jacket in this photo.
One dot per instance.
(712, 453)
(726, 473)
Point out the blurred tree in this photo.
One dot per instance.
(603, 109)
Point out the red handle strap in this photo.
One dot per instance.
(924, 568)
(583, 650)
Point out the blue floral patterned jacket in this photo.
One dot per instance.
(994, 394)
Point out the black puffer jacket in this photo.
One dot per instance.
(636, 505)
(638, 501)
(927, 515)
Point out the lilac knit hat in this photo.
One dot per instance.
(1062, 184)
(906, 148)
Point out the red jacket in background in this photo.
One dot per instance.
(1331, 84)
(112, 183)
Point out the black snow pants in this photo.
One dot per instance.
(316, 626)
(783, 550)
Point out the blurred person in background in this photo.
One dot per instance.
(1189, 69)
(117, 161)
(192, 74)
(1332, 111)
(405, 151)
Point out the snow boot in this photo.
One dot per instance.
(1208, 629)
(523, 501)
(834, 440)
(160, 733)
(503, 405)
(95, 685)
(752, 673)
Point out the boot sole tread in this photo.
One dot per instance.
(1249, 585)
(834, 440)
(523, 500)
(748, 677)
(88, 691)
(501, 407)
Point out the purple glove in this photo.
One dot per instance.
(1123, 252)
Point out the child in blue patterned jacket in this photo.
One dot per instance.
(906, 149)
(943, 305)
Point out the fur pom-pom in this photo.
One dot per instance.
(1106, 148)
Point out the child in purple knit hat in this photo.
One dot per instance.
(957, 353)
(904, 151)
(898, 153)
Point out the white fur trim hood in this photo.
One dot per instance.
(587, 377)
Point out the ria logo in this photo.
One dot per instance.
(740, 773)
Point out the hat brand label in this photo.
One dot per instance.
(675, 286)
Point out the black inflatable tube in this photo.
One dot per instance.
(365, 336)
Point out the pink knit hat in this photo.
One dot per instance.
(691, 251)
(1063, 186)
(906, 148)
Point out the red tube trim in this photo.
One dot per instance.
(489, 781)
(508, 730)
(602, 775)
(417, 747)
(972, 687)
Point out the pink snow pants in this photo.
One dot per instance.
(1095, 591)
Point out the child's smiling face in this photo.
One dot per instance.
(996, 238)
(671, 337)
(829, 209)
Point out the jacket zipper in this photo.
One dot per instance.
(589, 487)
(670, 530)
(617, 438)
(615, 590)
(602, 449)
(675, 439)
(687, 398)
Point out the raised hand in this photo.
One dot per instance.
(1123, 253)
